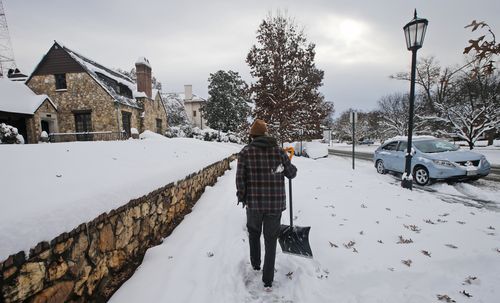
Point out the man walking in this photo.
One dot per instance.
(260, 184)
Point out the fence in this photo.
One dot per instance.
(88, 136)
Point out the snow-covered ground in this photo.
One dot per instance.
(372, 242)
(47, 189)
(491, 152)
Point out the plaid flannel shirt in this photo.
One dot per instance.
(260, 183)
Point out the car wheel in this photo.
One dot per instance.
(380, 167)
(421, 175)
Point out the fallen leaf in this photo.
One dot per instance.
(445, 298)
(412, 227)
(354, 250)
(289, 275)
(387, 208)
(451, 246)
(463, 292)
(363, 206)
(460, 222)
(469, 280)
(444, 215)
(426, 253)
(406, 262)
(404, 241)
(428, 221)
(380, 241)
(361, 232)
(333, 244)
(491, 227)
(350, 244)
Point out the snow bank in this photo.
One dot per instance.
(315, 150)
(48, 189)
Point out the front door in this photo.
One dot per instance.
(45, 126)
(126, 123)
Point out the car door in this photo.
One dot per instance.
(388, 155)
(400, 157)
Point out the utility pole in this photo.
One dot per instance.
(7, 61)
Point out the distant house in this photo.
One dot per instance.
(192, 105)
(92, 98)
(28, 112)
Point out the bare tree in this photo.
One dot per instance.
(394, 112)
(343, 127)
(475, 110)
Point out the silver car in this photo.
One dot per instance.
(432, 159)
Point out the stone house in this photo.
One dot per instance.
(94, 99)
(192, 105)
(21, 108)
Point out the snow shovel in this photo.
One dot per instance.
(294, 239)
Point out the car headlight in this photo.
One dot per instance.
(444, 163)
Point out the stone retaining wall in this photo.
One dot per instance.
(90, 263)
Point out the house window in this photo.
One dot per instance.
(126, 123)
(83, 124)
(158, 126)
(60, 81)
(194, 113)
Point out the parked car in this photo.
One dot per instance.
(432, 159)
(366, 141)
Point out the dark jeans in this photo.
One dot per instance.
(271, 224)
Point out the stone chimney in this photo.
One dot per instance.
(143, 73)
(188, 92)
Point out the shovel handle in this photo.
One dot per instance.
(290, 194)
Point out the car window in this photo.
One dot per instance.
(402, 146)
(390, 146)
(435, 146)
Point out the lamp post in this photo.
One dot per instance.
(414, 34)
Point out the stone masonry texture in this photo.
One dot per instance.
(89, 263)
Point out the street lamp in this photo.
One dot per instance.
(414, 34)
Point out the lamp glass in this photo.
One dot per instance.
(415, 33)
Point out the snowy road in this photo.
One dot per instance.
(372, 242)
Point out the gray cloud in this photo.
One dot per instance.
(359, 43)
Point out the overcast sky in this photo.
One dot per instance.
(358, 43)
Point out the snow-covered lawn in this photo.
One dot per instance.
(47, 189)
(372, 242)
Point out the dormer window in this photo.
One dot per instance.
(60, 81)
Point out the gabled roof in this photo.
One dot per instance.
(93, 69)
(16, 97)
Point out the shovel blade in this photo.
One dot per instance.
(295, 240)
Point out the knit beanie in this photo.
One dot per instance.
(259, 128)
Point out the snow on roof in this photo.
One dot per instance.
(16, 97)
(182, 97)
(94, 68)
(143, 60)
(414, 138)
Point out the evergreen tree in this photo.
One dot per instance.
(286, 92)
(226, 108)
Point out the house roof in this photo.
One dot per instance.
(16, 97)
(93, 69)
(182, 97)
